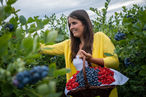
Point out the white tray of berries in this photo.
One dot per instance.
(97, 76)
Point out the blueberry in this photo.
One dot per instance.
(32, 71)
(44, 74)
(129, 16)
(37, 68)
(20, 76)
(120, 36)
(26, 73)
(36, 76)
(127, 62)
(45, 68)
(25, 80)
(10, 27)
(33, 81)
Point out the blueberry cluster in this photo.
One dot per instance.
(10, 27)
(92, 77)
(30, 76)
(129, 16)
(127, 62)
(120, 36)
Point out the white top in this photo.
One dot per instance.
(78, 63)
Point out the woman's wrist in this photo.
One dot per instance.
(90, 59)
(98, 61)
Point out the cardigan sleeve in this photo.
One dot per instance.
(55, 49)
(108, 47)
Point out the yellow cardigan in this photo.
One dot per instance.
(101, 44)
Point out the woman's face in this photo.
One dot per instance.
(76, 27)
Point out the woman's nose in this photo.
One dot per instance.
(71, 27)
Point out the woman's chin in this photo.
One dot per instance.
(77, 36)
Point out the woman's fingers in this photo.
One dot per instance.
(83, 52)
(88, 55)
(82, 55)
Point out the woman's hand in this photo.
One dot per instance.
(88, 56)
(90, 59)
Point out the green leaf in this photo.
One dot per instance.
(43, 89)
(60, 72)
(2, 14)
(1, 11)
(108, 54)
(52, 66)
(30, 20)
(143, 67)
(143, 70)
(51, 37)
(142, 73)
(11, 2)
(35, 44)
(32, 28)
(4, 44)
(22, 20)
(40, 24)
(30, 92)
(19, 34)
(52, 86)
(45, 21)
(27, 45)
(7, 11)
(60, 38)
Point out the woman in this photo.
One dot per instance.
(83, 42)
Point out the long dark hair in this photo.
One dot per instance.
(82, 15)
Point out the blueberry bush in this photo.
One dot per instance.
(127, 31)
(21, 64)
(24, 72)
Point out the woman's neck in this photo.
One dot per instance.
(82, 43)
(82, 40)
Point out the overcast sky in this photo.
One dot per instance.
(30, 8)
